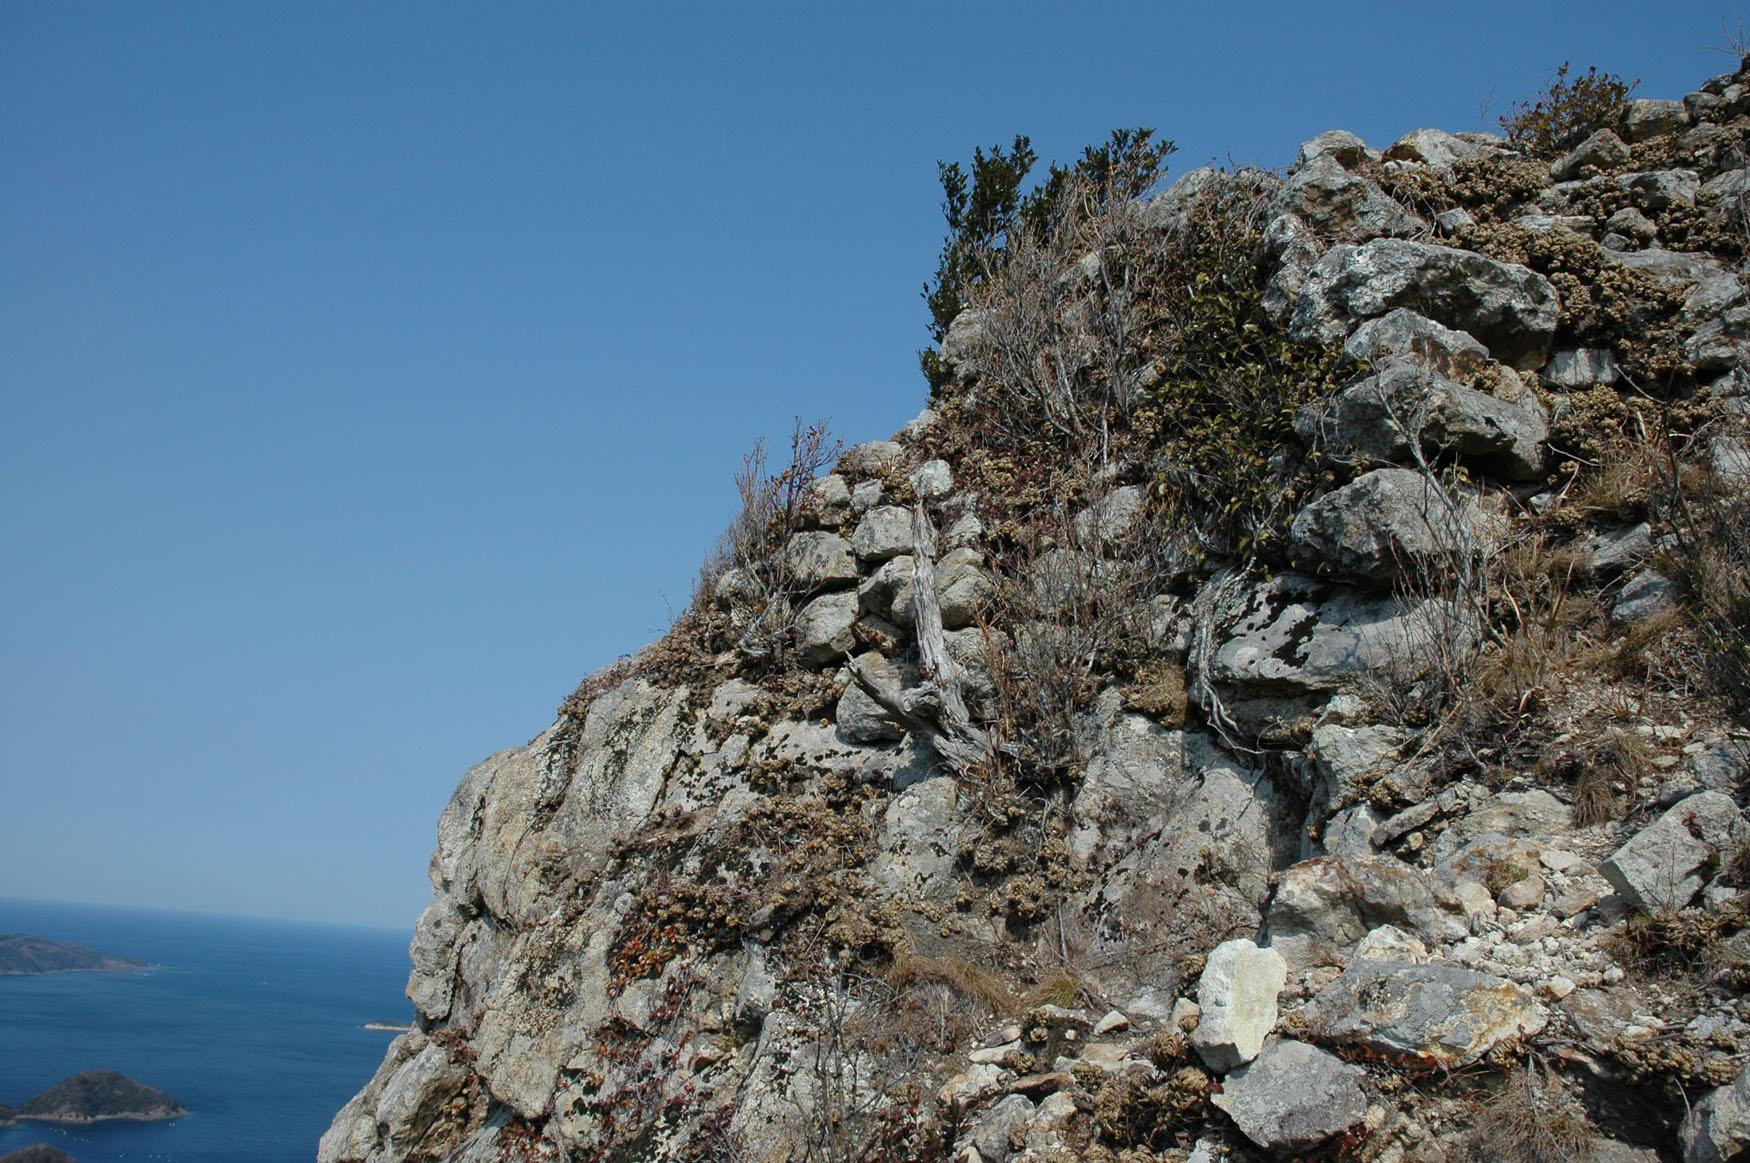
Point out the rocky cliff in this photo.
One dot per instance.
(1286, 694)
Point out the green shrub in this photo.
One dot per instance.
(986, 205)
(1568, 111)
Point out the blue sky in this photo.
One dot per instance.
(369, 373)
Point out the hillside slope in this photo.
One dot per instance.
(1285, 694)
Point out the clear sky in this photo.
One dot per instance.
(370, 372)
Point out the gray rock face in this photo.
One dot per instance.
(1648, 118)
(860, 718)
(1645, 594)
(1718, 1128)
(991, 1135)
(828, 501)
(820, 560)
(932, 480)
(1294, 1097)
(883, 532)
(1432, 1012)
(1434, 148)
(823, 627)
(1511, 309)
(1295, 634)
(1669, 860)
(1375, 418)
(1323, 908)
(1387, 524)
(1599, 152)
(1237, 996)
(1658, 190)
(963, 588)
(1341, 205)
(871, 457)
(1348, 758)
(1581, 368)
(1403, 337)
(1340, 144)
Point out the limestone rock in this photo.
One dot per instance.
(870, 458)
(1599, 152)
(828, 501)
(1435, 148)
(860, 718)
(1237, 996)
(932, 480)
(1667, 862)
(963, 588)
(1511, 309)
(823, 627)
(1435, 1012)
(1293, 1097)
(1374, 419)
(1345, 147)
(883, 532)
(1648, 117)
(1404, 337)
(1718, 1128)
(1341, 205)
(1643, 595)
(1323, 908)
(1581, 369)
(1295, 635)
(820, 560)
(1387, 524)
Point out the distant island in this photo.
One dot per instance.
(7, 1115)
(36, 1153)
(21, 953)
(389, 1027)
(100, 1096)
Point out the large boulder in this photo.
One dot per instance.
(819, 560)
(1717, 1129)
(1293, 1097)
(1292, 635)
(1510, 308)
(1376, 419)
(1341, 205)
(883, 532)
(1435, 1013)
(1387, 524)
(1323, 908)
(823, 627)
(1668, 861)
(1402, 336)
(1237, 997)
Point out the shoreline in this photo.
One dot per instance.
(77, 1121)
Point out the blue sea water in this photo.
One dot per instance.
(255, 1026)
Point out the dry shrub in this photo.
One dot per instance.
(1568, 110)
(1063, 988)
(1077, 603)
(1533, 1118)
(1707, 510)
(748, 571)
(968, 981)
(859, 1087)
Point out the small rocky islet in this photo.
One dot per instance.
(1320, 730)
(98, 1096)
(22, 954)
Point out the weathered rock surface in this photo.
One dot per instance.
(1294, 1097)
(1387, 524)
(1667, 862)
(1718, 1129)
(1376, 418)
(1510, 309)
(1324, 907)
(1237, 994)
(1441, 1013)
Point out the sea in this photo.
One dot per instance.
(256, 1026)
